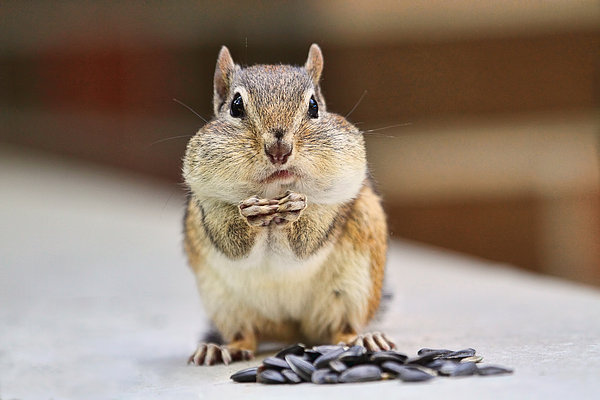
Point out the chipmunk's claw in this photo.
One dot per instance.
(281, 210)
(212, 354)
(372, 341)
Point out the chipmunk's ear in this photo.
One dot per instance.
(314, 63)
(222, 80)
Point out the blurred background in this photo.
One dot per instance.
(481, 117)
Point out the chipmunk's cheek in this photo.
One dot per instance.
(330, 183)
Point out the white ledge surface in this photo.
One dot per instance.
(97, 303)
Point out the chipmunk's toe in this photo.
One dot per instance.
(212, 354)
(373, 341)
(263, 212)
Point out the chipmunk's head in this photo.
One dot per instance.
(271, 133)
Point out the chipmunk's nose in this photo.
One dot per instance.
(278, 152)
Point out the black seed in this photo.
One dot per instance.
(323, 360)
(311, 355)
(460, 354)
(337, 366)
(465, 369)
(245, 375)
(383, 356)
(275, 363)
(303, 368)
(392, 366)
(360, 373)
(356, 350)
(296, 349)
(427, 357)
(436, 364)
(323, 375)
(405, 372)
(326, 348)
(341, 364)
(474, 359)
(291, 376)
(354, 355)
(409, 374)
(427, 350)
(447, 368)
(422, 368)
(270, 376)
(488, 370)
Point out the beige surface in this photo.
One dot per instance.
(97, 303)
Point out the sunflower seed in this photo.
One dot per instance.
(324, 375)
(296, 349)
(270, 376)
(460, 354)
(275, 363)
(323, 360)
(354, 355)
(447, 367)
(390, 355)
(337, 366)
(487, 370)
(311, 355)
(360, 373)
(427, 357)
(326, 348)
(407, 372)
(341, 364)
(245, 375)
(410, 374)
(392, 366)
(303, 368)
(291, 376)
(465, 369)
(427, 350)
(475, 359)
(436, 364)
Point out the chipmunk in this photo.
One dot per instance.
(283, 230)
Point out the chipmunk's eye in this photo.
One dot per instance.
(313, 108)
(237, 106)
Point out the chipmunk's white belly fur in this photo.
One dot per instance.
(271, 281)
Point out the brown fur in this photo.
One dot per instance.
(359, 224)
(317, 277)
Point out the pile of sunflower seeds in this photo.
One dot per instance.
(342, 364)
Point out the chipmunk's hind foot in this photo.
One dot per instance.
(212, 354)
(372, 341)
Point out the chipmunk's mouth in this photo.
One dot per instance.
(281, 176)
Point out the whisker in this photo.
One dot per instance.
(169, 138)
(169, 199)
(387, 127)
(357, 103)
(190, 108)
(382, 135)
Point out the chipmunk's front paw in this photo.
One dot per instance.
(291, 204)
(211, 354)
(264, 212)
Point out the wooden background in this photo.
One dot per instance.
(496, 154)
